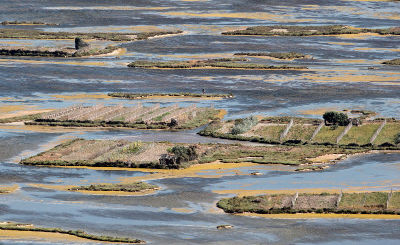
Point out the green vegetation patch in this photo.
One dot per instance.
(177, 118)
(301, 132)
(77, 233)
(106, 36)
(119, 153)
(395, 62)
(283, 56)
(22, 118)
(360, 135)
(282, 30)
(388, 134)
(57, 53)
(135, 96)
(329, 134)
(286, 155)
(364, 203)
(16, 22)
(243, 125)
(131, 187)
(394, 202)
(203, 116)
(227, 63)
(286, 119)
(270, 132)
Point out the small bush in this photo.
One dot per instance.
(397, 139)
(184, 154)
(336, 118)
(244, 125)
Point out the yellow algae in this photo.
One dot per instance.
(322, 216)
(113, 81)
(104, 193)
(8, 189)
(351, 78)
(182, 210)
(383, 49)
(326, 158)
(317, 111)
(221, 114)
(358, 61)
(248, 77)
(20, 126)
(197, 170)
(81, 96)
(203, 78)
(109, 8)
(41, 236)
(118, 193)
(10, 108)
(244, 15)
(341, 43)
(198, 56)
(24, 113)
(15, 42)
(117, 52)
(227, 68)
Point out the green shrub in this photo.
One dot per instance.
(397, 139)
(184, 154)
(336, 118)
(243, 125)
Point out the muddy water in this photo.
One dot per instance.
(184, 212)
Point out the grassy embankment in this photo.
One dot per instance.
(65, 52)
(224, 63)
(22, 23)
(392, 62)
(136, 96)
(282, 30)
(269, 130)
(105, 36)
(282, 56)
(109, 153)
(348, 203)
(57, 53)
(128, 117)
(131, 187)
(77, 233)
(22, 118)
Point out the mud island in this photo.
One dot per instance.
(379, 203)
(223, 63)
(276, 55)
(137, 117)
(377, 133)
(23, 228)
(281, 30)
(26, 23)
(136, 188)
(81, 49)
(165, 155)
(395, 62)
(104, 36)
(138, 96)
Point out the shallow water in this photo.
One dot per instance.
(184, 211)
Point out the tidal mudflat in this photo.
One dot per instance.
(346, 73)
